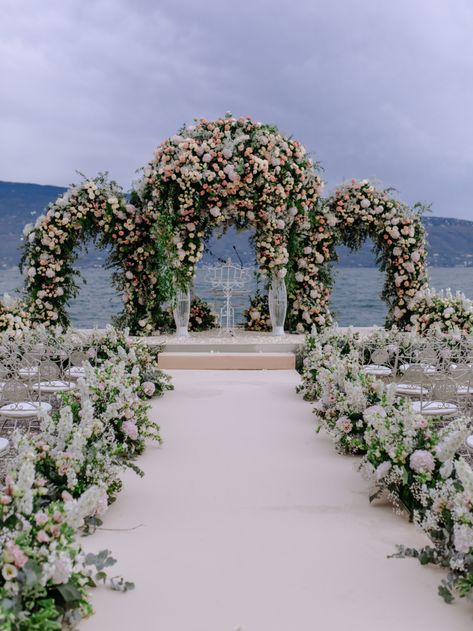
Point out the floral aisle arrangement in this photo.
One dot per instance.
(441, 311)
(63, 478)
(408, 453)
(412, 459)
(45, 575)
(93, 209)
(14, 315)
(140, 358)
(447, 519)
(257, 316)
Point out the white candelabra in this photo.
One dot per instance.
(230, 280)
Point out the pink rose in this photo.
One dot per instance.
(42, 536)
(14, 554)
(41, 519)
(130, 429)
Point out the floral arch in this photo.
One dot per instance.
(232, 171)
(217, 173)
(95, 209)
(356, 211)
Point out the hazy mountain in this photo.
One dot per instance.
(450, 240)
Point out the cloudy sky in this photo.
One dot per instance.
(373, 88)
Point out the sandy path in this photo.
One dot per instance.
(252, 522)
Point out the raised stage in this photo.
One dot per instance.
(242, 350)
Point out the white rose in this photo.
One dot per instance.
(61, 202)
(27, 229)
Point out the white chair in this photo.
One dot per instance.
(29, 367)
(377, 366)
(413, 383)
(18, 405)
(76, 365)
(49, 380)
(442, 400)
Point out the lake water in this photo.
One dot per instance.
(355, 298)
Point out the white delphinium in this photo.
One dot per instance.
(465, 475)
(24, 483)
(90, 503)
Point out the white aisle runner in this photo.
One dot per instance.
(252, 522)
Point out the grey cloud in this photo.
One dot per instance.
(372, 88)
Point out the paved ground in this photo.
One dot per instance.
(252, 522)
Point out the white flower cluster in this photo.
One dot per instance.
(441, 312)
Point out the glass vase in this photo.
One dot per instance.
(181, 311)
(277, 298)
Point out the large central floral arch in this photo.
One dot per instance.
(231, 171)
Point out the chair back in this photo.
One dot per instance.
(14, 391)
(48, 370)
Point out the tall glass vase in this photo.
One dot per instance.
(277, 298)
(181, 311)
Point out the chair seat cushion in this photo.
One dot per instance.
(76, 371)
(434, 408)
(464, 390)
(427, 368)
(26, 373)
(24, 409)
(55, 385)
(410, 389)
(376, 369)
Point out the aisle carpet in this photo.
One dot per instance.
(248, 520)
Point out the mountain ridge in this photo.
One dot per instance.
(450, 240)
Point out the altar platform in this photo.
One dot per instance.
(237, 350)
(215, 350)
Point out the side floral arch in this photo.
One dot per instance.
(230, 171)
(95, 209)
(356, 211)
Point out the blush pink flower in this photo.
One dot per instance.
(130, 429)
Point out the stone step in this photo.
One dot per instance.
(226, 361)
